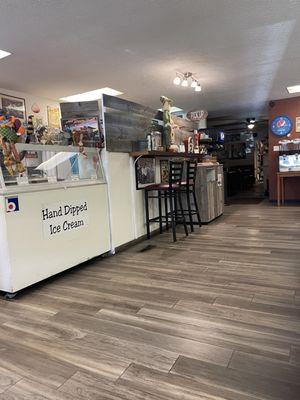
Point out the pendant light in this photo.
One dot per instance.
(185, 83)
(177, 80)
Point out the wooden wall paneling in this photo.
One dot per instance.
(80, 109)
(126, 122)
(126, 119)
(130, 107)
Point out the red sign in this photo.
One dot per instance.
(197, 115)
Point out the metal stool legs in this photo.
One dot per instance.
(166, 210)
(147, 214)
(172, 212)
(197, 208)
(182, 213)
(160, 213)
(188, 200)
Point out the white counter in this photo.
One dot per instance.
(34, 247)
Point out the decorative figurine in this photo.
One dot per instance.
(190, 144)
(78, 141)
(169, 137)
(11, 131)
(196, 141)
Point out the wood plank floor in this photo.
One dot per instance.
(214, 316)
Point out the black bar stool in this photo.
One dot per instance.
(171, 193)
(189, 188)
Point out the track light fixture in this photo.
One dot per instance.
(187, 79)
(250, 123)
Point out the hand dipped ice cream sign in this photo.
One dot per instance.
(64, 217)
(281, 125)
(197, 115)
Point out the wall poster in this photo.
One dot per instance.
(53, 117)
(14, 106)
(164, 171)
(145, 172)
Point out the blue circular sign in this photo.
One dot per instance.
(281, 126)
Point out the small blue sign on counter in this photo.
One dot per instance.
(12, 204)
(281, 125)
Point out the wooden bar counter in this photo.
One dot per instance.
(280, 184)
(209, 187)
(169, 154)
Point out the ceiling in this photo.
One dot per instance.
(244, 52)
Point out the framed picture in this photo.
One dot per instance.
(14, 106)
(145, 172)
(164, 171)
(87, 128)
(297, 124)
(53, 117)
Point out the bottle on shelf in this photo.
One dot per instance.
(149, 141)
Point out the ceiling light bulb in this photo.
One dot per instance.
(198, 88)
(177, 80)
(92, 95)
(185, 83)
(293, 89)
(194, 84)
(4, 54)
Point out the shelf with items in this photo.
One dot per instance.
(286, 146)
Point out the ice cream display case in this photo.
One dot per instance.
(54, 212)
(50, 164)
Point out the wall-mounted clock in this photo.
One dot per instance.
(281, 125)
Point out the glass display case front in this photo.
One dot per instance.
(290, 162)
(51, 164)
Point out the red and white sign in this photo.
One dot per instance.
(197, 115)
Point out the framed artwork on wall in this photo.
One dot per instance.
(145, 172)
(86, 129)
(14, 106)
(298, 124)
(53, 117)
(164, 171)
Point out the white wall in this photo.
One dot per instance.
(127, 208)
(119, 186)
(30, 100)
